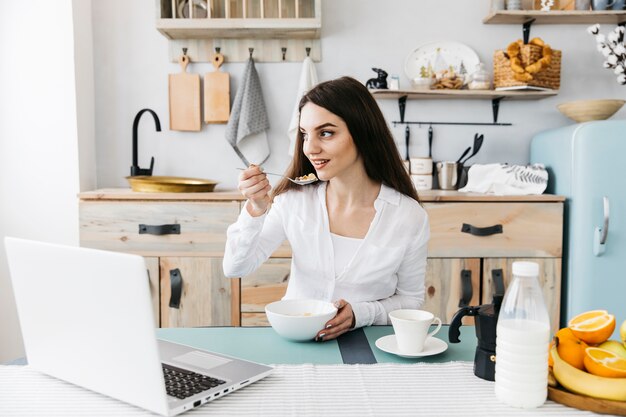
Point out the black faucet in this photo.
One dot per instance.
(134, 169)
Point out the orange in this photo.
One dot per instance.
(604, 363)
(593, 326)
(570, 348)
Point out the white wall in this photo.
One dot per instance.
(39, 125)
(56, 82)
(131, 67)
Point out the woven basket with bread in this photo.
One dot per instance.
(534, 64)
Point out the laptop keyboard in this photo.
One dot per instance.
(181, 383)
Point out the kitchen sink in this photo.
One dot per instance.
(163, 184)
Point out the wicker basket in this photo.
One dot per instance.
(550, 77)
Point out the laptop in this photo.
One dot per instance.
(86, 318)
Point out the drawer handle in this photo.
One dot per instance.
(498, 282)
(466, 288)
(176, 288)
(162, 229)
(481, 231)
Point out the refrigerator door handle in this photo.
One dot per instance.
(600, 234)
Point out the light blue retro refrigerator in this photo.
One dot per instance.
(586, 163)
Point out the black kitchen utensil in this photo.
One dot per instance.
(407, 136)
(478, 143)
(458, 161)
(430, 142)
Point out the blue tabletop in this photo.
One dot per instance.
(262, 344)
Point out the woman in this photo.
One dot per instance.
(359, 235)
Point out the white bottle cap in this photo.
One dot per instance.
(527, 269)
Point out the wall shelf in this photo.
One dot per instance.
(494, 96)
(463, 94)
(565, 17)
(277, 30)
(239, 28)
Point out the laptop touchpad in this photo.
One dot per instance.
(201, 360)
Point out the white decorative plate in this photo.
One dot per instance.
(441, 55)
(433, 346)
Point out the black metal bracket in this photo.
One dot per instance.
(526, 30)
(495, 106)
(402, 107)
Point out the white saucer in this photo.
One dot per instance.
(433, 346)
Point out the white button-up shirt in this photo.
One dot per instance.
(386, 273)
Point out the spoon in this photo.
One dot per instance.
(296, 181)
(478, 143)
(458, 161)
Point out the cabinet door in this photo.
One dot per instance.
(152, 263)
(267, 284)
(207, 298)
(444, 286)
(549, 279)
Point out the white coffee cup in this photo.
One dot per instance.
(411, 329)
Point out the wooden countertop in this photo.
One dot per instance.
(126, 194)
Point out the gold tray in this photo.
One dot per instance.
(156, 184)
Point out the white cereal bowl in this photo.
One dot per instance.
(299, 320)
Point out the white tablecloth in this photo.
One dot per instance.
(447, 389)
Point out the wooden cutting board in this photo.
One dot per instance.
(583, 402)
(184, 97)
(216, 93)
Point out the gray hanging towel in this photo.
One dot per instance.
(247, 127)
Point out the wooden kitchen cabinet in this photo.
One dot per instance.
(444, 291)
(472, 235)
(152, 263)
(208, 298)
(549, 279)
(263, 286)
(495, 232)
(173, 232)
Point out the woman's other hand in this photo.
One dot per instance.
(338, 325)
(254, 185)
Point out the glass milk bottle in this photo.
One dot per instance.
(522, 339)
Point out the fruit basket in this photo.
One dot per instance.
(587, 370)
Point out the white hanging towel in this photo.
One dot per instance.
(503, 179)
(308, 80)
(247, 127)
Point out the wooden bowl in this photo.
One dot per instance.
(587, 110)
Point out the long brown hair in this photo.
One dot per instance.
(350, 100)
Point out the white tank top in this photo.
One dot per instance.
(344, 249)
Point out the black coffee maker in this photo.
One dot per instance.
(485, 325)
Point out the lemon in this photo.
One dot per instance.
(614, 346)
(622, 332)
